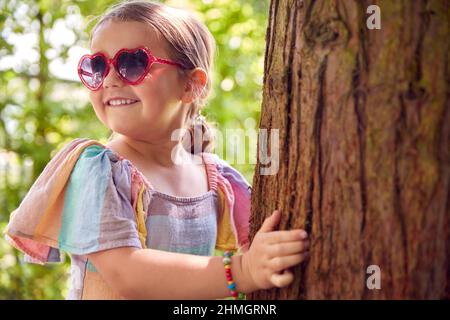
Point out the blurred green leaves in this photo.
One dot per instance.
(40, 111)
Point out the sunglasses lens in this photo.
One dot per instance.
(132, 65)
(92, 71)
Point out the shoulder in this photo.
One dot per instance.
(75, 148)
(88, 167)
(224, 169)
(93, 161)
(83, 148)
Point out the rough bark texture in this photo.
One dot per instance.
(364, 118)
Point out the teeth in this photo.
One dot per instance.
(119, 102)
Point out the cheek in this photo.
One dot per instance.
(159, 97)
(96, 100)
(152, 97)
(161, 85)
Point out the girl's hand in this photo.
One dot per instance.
(265, 265)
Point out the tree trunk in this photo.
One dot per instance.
(363, 118)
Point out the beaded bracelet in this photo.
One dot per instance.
(230, 282)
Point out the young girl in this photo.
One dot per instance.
(142, 217)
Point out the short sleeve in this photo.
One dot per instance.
(234, 176)
(81, 203)
(242, 198)
(98, 213)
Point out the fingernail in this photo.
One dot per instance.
(303, 234)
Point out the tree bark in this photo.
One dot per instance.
(364, 138)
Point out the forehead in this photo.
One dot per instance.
(112, 36)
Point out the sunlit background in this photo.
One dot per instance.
(43, 104)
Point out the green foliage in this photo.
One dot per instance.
(40, 112)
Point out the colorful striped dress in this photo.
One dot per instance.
(90, 199)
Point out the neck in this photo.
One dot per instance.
(164, 153)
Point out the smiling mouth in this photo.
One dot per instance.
(121, 103)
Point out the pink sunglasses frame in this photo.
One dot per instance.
(151, 59)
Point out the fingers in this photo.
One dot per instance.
(282, 279)
(286, 236)
(288, 248)
(276, 251)
(279, 263)
(271, 222)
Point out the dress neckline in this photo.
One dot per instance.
(211, 173)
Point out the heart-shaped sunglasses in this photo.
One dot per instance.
(132, 65)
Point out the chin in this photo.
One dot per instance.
(122, 128)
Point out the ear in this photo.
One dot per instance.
(195, 78)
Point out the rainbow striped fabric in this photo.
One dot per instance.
(75, 214)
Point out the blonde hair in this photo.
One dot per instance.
(191, 44)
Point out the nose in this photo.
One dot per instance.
(112, 79)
